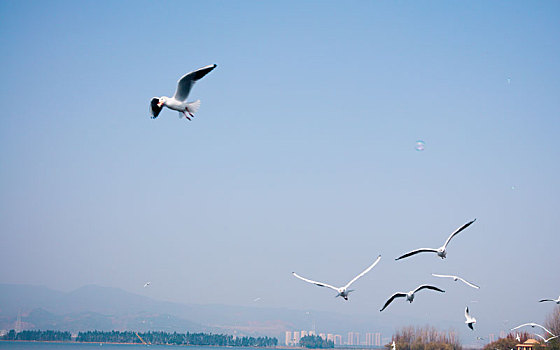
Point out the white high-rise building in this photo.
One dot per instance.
(330, 337)
(353, 338)
(323, 336)
(288, 338)
(377, 339)
(296, 338)
(337, 339)
(303, 334)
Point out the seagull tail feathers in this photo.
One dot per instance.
(192, 107)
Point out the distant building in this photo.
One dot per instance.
(303, 334)
(337, 339)
(369, 339)
(288, 338)
(530, 344)
(378, 339)
(330, 337)
(491, 338)
(323, 336)
(353, 338)
(296, 338)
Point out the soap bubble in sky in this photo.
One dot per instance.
(420, 145)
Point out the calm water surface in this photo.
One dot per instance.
(6, 345)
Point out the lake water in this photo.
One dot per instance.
(7, 345)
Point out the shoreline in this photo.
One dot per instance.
(117, 343)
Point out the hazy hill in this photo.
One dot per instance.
(103, 308)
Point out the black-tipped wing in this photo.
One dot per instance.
(421, 250)
(426, 286)
(154, 109)
(540, 301)
(457, 232)
(470, 326)
(186, 82)
(396, 295)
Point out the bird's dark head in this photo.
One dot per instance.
(156, 105)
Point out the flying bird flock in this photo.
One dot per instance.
(187, 109)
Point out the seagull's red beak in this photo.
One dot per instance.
(160, 103)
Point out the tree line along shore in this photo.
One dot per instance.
(156, 338)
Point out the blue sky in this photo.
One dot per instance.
(301, 157)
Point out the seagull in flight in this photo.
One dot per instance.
(409, 295)
(393, 346)
(455, 278)
(532, 324)
(557, 301)
(546, 340)
(147, 284)
(470, 320)
(342, 291)
(179, 101)
(518, 337)
(441, 251)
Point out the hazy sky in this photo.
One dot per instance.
(301, 157)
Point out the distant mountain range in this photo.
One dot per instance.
(102, 308)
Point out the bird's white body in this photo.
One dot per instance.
(341, 291)
(147, 284)
(441, 251)
(393, 346)
(409, 295)
(470, 321)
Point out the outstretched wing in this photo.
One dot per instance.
(467, 315)
(320, 284)
(468, 283)
(154, 109)
(421, 250)
(540, 301)
(363, 272)
(532, 324)
(457, 232)
(449, 276)
(396, 295)
(426, 286)
(186, 82)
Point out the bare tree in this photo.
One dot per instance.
(425, 338)
(553, 324)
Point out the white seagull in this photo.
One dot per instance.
(147, 284)
(470, 320)
(532, 324)
(546, 340)
(557, 301)
(441, 251)
(393, 346)
(455, 278)
(179, 101)
(410, 295)
(342, 291)
(518, 337)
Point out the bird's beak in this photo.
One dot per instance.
(160, 103)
